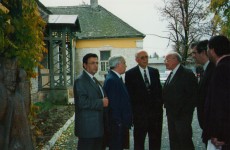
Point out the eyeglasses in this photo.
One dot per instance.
(143, 57)
(168, 60)
(93, 63)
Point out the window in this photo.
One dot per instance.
(104, 55)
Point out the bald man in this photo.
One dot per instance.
(179, 96)
(144, 87)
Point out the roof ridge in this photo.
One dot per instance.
(83, 5)
(98, 22)
(122, 21)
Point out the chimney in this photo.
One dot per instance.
(94, 3)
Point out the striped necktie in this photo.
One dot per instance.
(146, 79)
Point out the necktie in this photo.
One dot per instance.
(146, 79)
(169, 78)
(96, 81)
(99, 85)
(201, 73)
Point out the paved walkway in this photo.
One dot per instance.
(68, 141)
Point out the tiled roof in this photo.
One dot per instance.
(98, 22)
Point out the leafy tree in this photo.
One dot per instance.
(21, 33)
(186, 23)
(221, 18)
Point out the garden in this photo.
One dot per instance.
(47, 119)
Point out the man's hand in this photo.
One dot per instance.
(216, 142)
(105, 102)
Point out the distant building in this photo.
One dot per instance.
(102, 33)
(96, 31)
(157, 62)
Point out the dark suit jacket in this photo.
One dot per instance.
(119, 101)
(217, 106)
(202, 92)
(146, 106)
(180, 94)
(88, 108)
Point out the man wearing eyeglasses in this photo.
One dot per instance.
(144, 87)
(199, 54)
(89, 103)
(179, 96)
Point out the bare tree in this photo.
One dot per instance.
(186, 23)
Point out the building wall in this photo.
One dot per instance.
(125, 47)
(158, 62)
(116, 43)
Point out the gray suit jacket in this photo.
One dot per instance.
(88, 108)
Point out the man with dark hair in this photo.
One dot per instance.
(89, 102)
(199, 53)
(193, 45)
(217, 106)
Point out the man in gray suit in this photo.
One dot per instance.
(179, 96)
(89, 103)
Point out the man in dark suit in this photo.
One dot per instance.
(89, 103)
(199, 53)
(143, 83)
(120, 115)
(179, 96)
(217, 106)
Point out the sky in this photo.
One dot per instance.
(143, 15)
